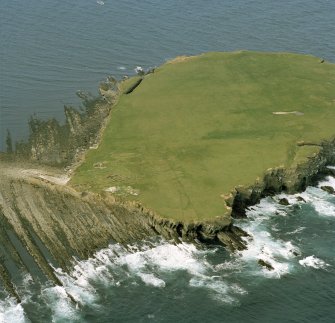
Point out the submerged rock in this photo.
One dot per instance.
(265, 264)
(284, 201)
(301, 199)
(232, 239)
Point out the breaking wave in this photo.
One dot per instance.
(10, 311)
(312, 261)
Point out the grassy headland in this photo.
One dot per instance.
(198, 127)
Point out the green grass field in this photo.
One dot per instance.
(195, 129)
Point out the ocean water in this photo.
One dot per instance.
(51, 49)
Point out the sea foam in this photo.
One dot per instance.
(262, 245)
(10, 311)
(312, 261)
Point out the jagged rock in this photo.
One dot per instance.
(239, 232)
(231, 241)
(284, 201)
(265, 264)
(301, 199)
(51, 143)
(328, 171)
(328, 189)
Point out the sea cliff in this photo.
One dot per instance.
(178, 152)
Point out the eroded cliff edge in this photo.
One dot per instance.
(310, 161)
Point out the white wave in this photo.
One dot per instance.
(166, 257)
(329, 181)
(79, 284)
(100, 2)
(121, 68)
(273, 252)
(312, 261)
(262, 245)
(238, 289)
(132, 261)
(221, 289)
(317, 198)
(264, 209)
(229, 266)
(138, 69)
(12, 312)
(151, 279)
(292, 199)
(275, 228)
(324, 207)
(57, 300)
(296, 231)
(150, 263)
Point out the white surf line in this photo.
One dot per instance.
(274, 251)
(60, 305)
(151, 263)
(319, 200)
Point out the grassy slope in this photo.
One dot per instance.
(194, 130)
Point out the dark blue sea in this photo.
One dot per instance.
(51, 49)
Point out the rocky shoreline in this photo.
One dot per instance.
(49, 223)
(289, 180)
(45, 223)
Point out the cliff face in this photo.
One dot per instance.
(309, 161)
(44, 223)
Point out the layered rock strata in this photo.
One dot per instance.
(45, 224)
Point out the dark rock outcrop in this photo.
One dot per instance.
(328, 189)
(301, 199)
(284, 201)
(265, 264)
(51, 143)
